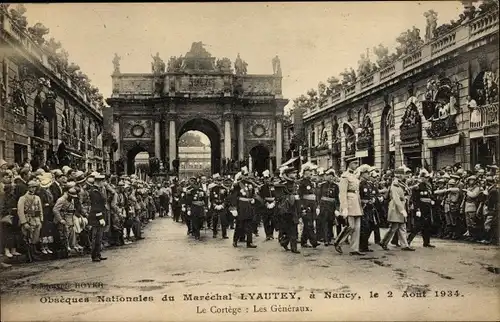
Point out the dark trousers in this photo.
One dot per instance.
(268, 219)
(366, 230)
(176, 210)
(197, 223)
(97, 232)
(256, 222)
(288, 235)
(11, 236)
(308, 232)
(136, 228)
(243, 227)
(324, 226)
(423, 225)
(224, 222)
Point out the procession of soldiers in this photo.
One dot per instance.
(56, 213)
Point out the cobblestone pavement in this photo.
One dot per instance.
(169, 264)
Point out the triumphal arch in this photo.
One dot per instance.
(241, 113)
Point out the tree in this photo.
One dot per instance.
(38, 32)
(300, 102)
(52, 46)
(322, 95)
(365, 66)
(17, 15)
(312, 100)
(334, 85)
(488, 6)
(348, 77)
(383, 57)
(72, 68)
(191, 139)
(408, 41)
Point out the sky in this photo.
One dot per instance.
(313, 40)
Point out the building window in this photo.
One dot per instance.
(2, 150)
(20, 153)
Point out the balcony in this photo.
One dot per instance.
(484, 117)
(322, 149)
(411, 133)
(442, 127)
(365, 143)
(350, 144)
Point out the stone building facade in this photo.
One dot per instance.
(434, 107)
(44, 116)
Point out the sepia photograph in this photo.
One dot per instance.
(260, 161)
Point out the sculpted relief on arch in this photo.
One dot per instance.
(137, 129)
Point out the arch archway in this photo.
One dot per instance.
(260, 158)
(212, 132)
(131, 154)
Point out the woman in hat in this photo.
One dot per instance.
(48, 227)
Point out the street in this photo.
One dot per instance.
(454, 280)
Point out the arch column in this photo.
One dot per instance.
(279, 140)
(241, 140)
(157, 140)
(172, 142)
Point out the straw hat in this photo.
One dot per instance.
(46, 180)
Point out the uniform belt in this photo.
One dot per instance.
(426, 200)
(309, 197)
(245, 199)
(198, 203)
(270, 199)
(351, 191)
(327, 199)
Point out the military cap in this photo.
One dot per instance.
(73, 193)
(330, 171)
(424, 173)
(364, 168)
(472, 178)
(492, 167)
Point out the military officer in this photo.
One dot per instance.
(64, 212)
(198, 203)
(350, 207)
(30, 213)
(268, 193)
(368, 196)
(424, 202)
(176, 200)
(398, 213)
(328, 205)
(219, 206)
(288, 211)
(452, 199)
(96, 217)
(244, 192)
(308, 205)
